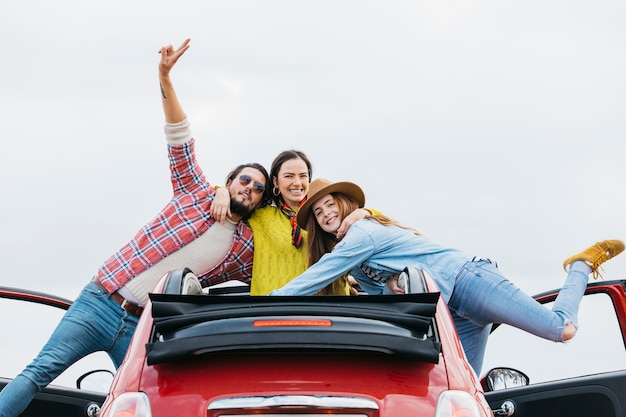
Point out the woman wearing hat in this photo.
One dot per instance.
(375, 249)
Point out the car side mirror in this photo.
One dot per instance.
(502, 378)
(98, 380)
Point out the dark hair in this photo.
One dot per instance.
(283, 157)
(267, 194)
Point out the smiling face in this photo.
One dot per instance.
(246, 191)
(292, 181)
(326, 213)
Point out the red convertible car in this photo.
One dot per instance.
(233, 355)
(199, 355)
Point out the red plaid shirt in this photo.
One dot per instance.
(183, 219)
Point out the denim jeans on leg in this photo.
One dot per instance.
(482, 296)
(93, 323)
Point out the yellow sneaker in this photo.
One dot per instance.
(597, 254)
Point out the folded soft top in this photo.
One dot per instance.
(193, 325)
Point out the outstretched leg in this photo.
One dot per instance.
(483, 296)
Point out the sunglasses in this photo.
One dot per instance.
(256, 186)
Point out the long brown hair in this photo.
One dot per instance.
(320, 242)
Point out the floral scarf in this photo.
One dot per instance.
(296, 233)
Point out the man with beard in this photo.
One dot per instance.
(183, 234)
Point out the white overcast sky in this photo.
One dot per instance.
(497, 127)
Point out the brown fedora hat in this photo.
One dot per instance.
(319, 188)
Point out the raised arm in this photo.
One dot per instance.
(171, 106)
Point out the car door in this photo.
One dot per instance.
(583, 377)
(27, 318)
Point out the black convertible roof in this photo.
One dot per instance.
(193, 325)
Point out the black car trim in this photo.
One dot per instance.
(34, 297)
(408, 319)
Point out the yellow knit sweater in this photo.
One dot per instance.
(276, 260)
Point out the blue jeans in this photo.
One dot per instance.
(93, 323)
(482, 296)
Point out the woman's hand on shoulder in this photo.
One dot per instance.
(349, 220)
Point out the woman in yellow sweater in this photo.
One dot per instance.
(279, 243)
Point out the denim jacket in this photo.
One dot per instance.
(373, 252)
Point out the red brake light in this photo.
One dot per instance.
(292, 322)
